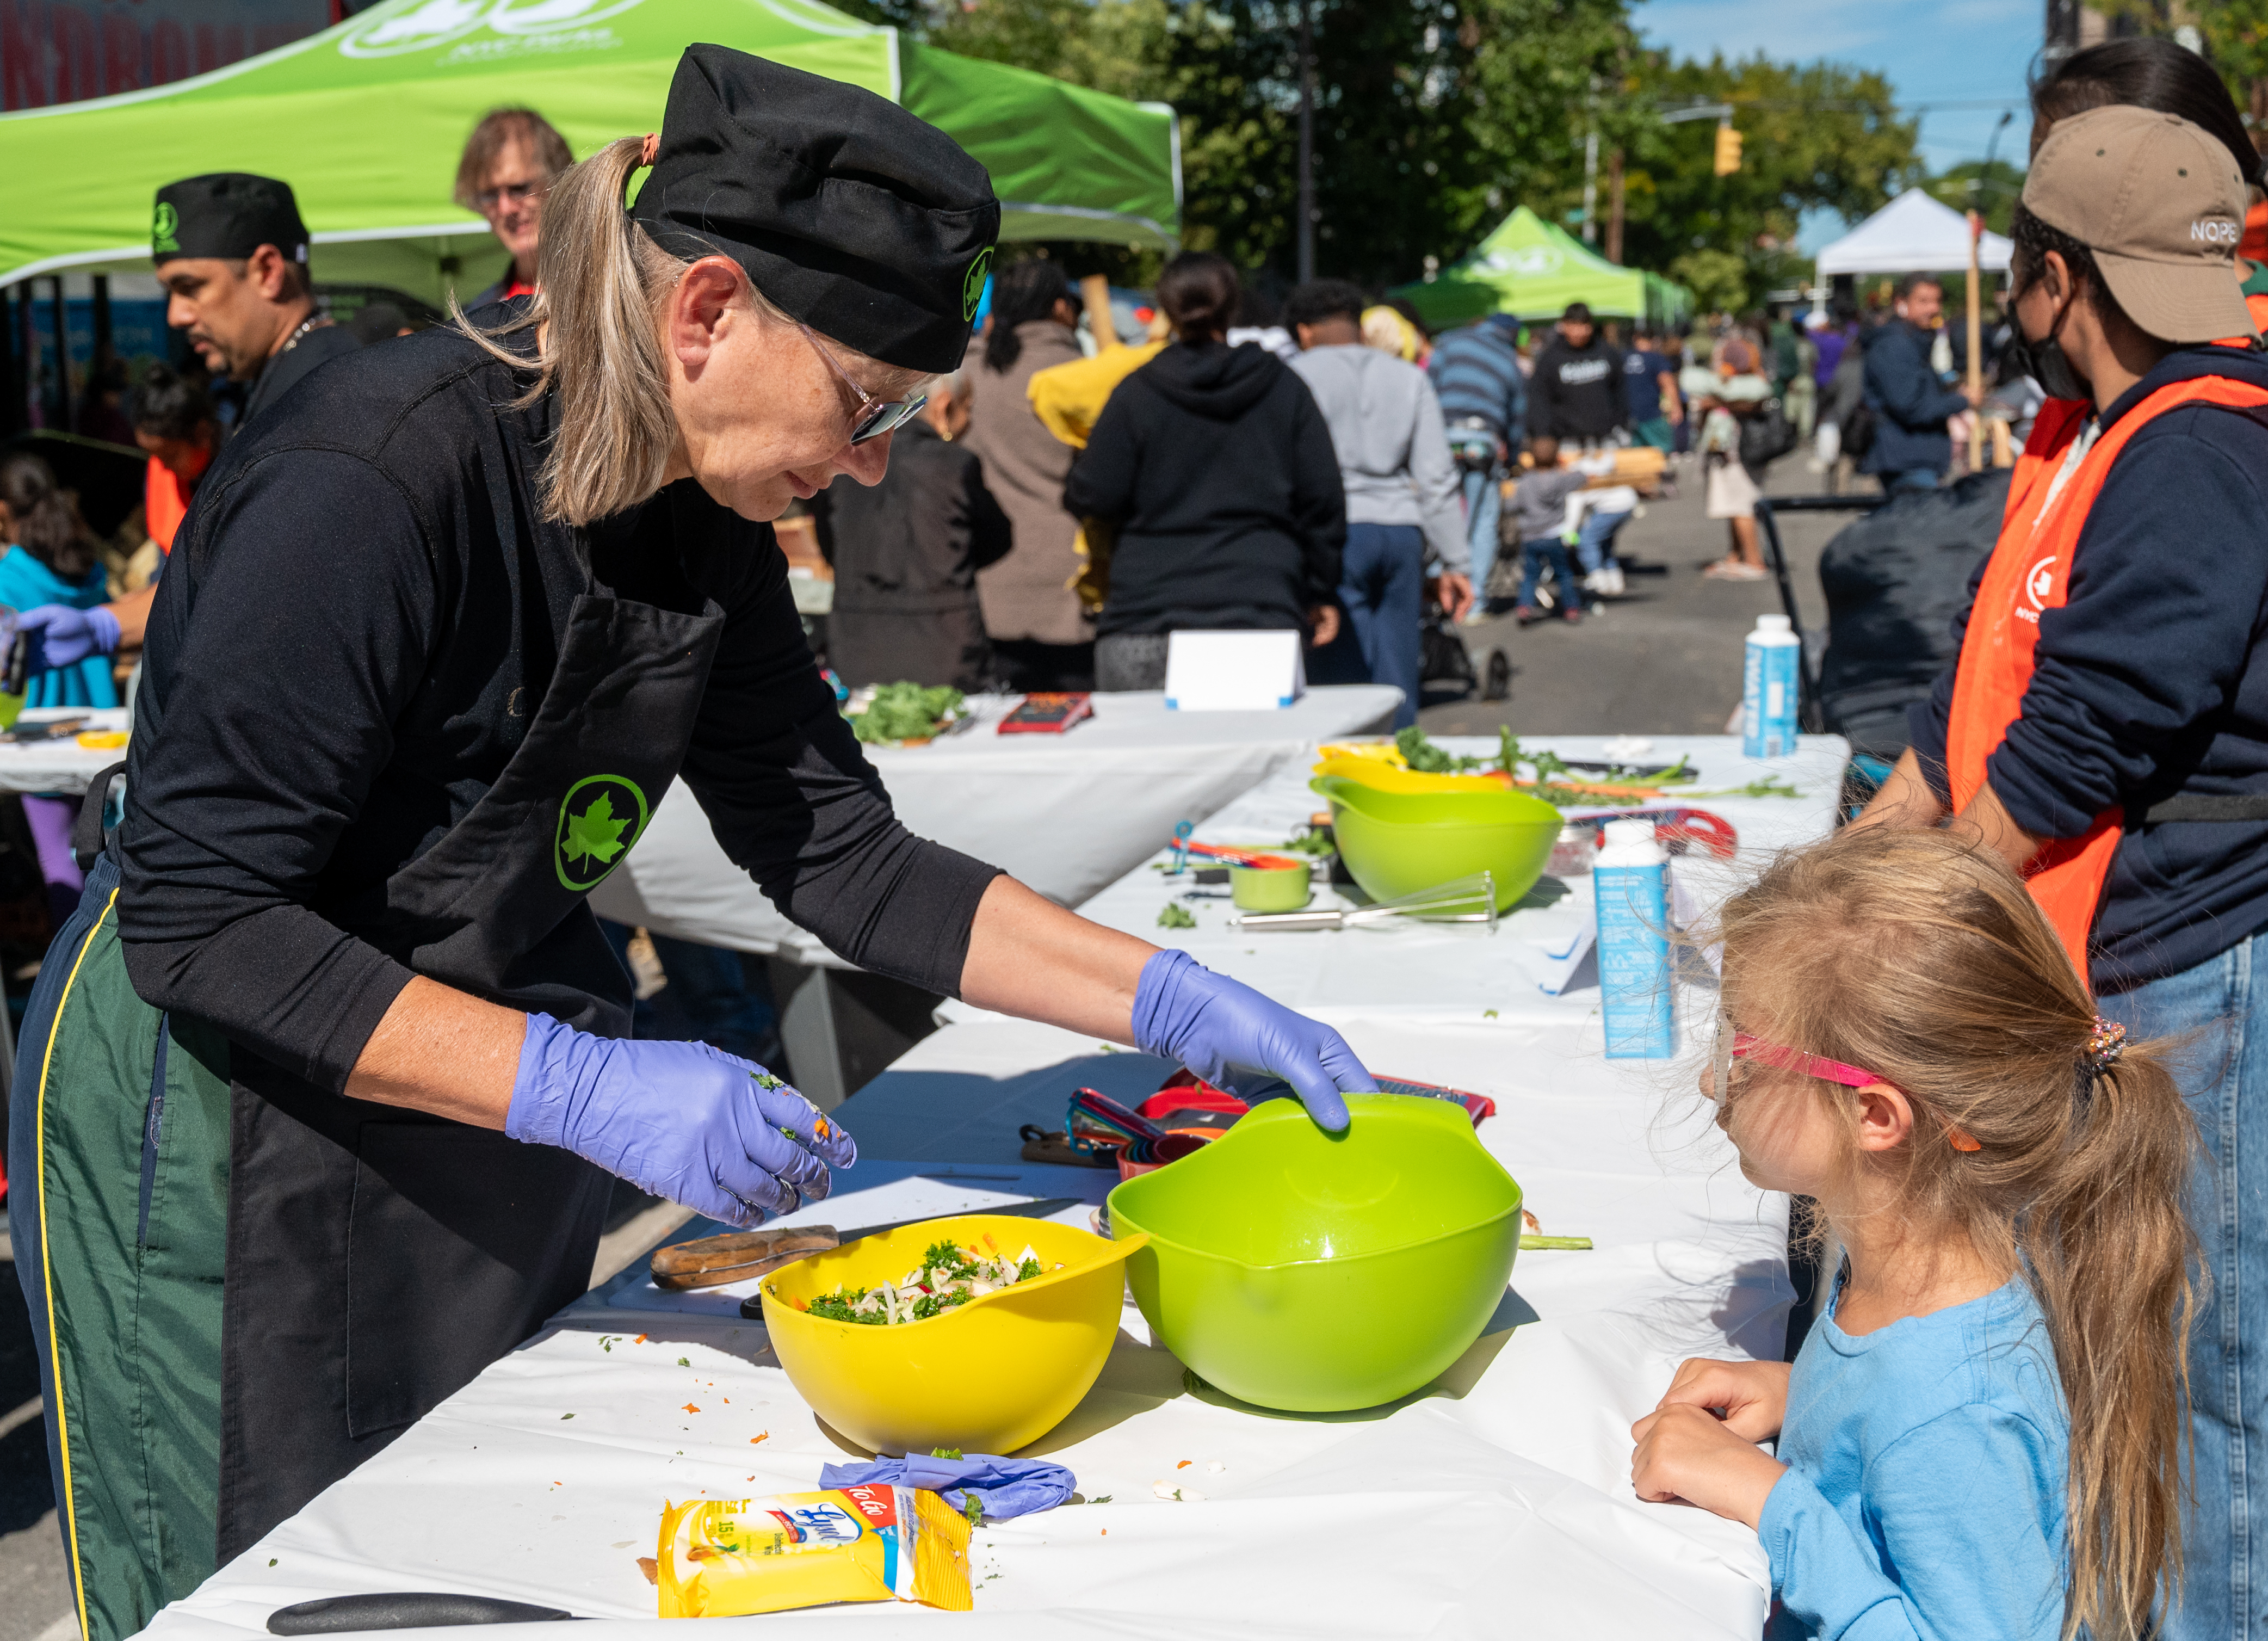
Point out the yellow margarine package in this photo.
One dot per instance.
(722, 1558)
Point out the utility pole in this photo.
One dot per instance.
(1307, 144)
(1591, 167)
(1614, 207)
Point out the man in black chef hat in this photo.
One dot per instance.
(233, 255)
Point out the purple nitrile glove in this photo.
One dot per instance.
(681, 1120)
(1238, 1040)
(1006, 1488)
(64, 635)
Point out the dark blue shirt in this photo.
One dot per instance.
(2151, 679)
(1642, 371)
(1475, 372)
(1909, 402)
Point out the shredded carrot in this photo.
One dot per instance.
(639, 1339)
(753, 1440)
(1184, 1464)
(690, 1408)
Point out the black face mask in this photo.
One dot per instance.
(2046, 363)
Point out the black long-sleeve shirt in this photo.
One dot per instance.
(2152, 679)
(1217, 468)
(353, 637)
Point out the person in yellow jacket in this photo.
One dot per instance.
(1068, 399)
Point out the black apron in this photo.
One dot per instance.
(399, 1255)
(299, 1275)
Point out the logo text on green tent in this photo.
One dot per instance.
(391, 32)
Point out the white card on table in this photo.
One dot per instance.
(1234, 671)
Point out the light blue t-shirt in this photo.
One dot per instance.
(1925, 1489)
(26, 584)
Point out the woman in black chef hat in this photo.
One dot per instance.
(321, 1089)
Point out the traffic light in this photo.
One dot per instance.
(1729, 150)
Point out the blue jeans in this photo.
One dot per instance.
(2224, 1076)
(1484, 507)
(1381, 585)
(1548, 549)
(1596, 543)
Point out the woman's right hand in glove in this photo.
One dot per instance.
(681, 1120)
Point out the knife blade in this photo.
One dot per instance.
(403, 1609)
(1037, 1207)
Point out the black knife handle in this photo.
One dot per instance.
(402, 1609)
(20, 666)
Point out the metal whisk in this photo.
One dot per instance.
(1460, 900)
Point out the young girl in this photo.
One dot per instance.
(46, 556)
(1981, 1436)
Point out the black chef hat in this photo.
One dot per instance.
(226, 213)
(869, 225)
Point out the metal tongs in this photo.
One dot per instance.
(1460, 900)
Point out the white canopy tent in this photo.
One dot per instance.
(1912, 234)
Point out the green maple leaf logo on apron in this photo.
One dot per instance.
(588, 842)
(595, 833)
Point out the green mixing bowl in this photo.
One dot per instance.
(1397, 844)
(1315, 1272)
(1270, 888)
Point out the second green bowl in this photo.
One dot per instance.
(1397, 844)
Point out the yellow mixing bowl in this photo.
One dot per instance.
(989, 1376)
(1386, 777)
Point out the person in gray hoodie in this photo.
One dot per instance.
(1403, 516)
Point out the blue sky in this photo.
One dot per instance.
(1933, 51)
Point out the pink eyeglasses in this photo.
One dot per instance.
(1739, 1045)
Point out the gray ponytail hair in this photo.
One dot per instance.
(599, 281)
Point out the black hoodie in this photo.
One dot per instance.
(1577, 393)
(1217, 469)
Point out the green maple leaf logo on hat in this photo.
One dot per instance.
(972, 282)
(595, 834)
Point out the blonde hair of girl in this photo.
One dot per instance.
(601, 285)
(1923, 959)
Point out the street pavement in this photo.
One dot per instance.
(34, 1588)
(1665, 659)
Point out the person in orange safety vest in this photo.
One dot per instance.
(174, 421)
(2105, 730)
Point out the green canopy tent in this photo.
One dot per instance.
(1532, 269)
(366, 120)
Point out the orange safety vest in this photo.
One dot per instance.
(165, 499)
(2029, 572)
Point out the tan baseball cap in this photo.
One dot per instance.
(2161, 204)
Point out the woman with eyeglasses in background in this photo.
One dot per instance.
(511, 160)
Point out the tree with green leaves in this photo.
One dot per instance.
(1971, 186)
(1433, 118)
(1815, 136)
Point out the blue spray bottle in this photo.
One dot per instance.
(1630, 876)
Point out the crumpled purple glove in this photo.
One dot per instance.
(62, 635)
(681, 1120)
(1238, 1040)
(1006, 1488)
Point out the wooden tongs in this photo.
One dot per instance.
(710, 1262)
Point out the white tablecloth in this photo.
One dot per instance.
(1496, 1500)
(1452, 968)
(59, 766)
(1064, 813)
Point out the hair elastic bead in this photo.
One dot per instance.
(2105, 1045)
